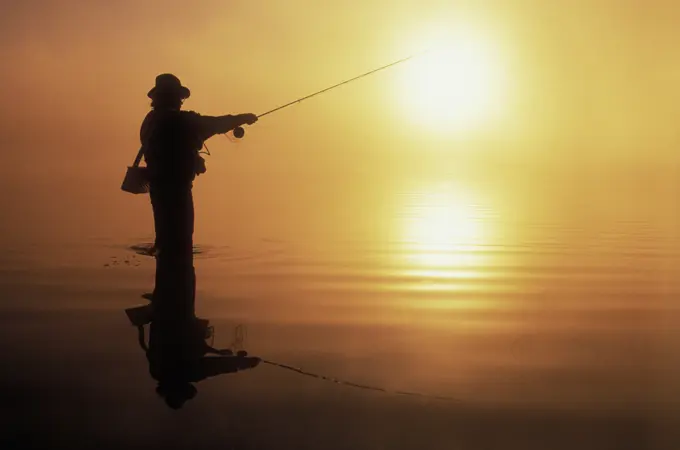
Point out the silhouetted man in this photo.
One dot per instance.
(177, 360)
(172, 139)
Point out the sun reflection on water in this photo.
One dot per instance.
(446, 233)
(445, 230)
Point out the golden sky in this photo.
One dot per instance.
(581, 79)
(579, 69)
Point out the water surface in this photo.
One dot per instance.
(548, 320)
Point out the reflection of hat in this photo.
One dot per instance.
(167, 83)
(177, 393)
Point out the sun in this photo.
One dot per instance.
(457, 85)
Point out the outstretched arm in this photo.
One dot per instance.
(212, 125)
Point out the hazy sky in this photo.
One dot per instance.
(577, 69)
(595, 79)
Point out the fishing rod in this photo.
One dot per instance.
(239, 132)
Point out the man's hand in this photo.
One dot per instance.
(249, 119)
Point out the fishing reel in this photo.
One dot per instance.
(239, 132)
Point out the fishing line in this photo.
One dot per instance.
(239, 132)
(355, 385)
(238, 343)
(338, 85)
(206, 152)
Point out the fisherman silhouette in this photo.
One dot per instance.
(172, 139)
(178, 356)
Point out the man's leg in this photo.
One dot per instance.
(162, 217)
(201, 324)
(185, 257)
(175, 274)
(190, 248)
(169, 298)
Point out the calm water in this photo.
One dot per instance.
(554, 301)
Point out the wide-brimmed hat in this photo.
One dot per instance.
(167, 83)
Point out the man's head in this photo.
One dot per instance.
(168, 92)
(176, 392)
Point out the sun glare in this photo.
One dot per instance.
(456, 85)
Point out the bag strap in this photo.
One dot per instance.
(138, 159)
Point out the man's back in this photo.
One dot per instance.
(172, 140)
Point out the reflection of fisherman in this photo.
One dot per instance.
(178, 359)
(172, 139)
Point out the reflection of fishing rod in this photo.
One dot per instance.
(239, 132)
